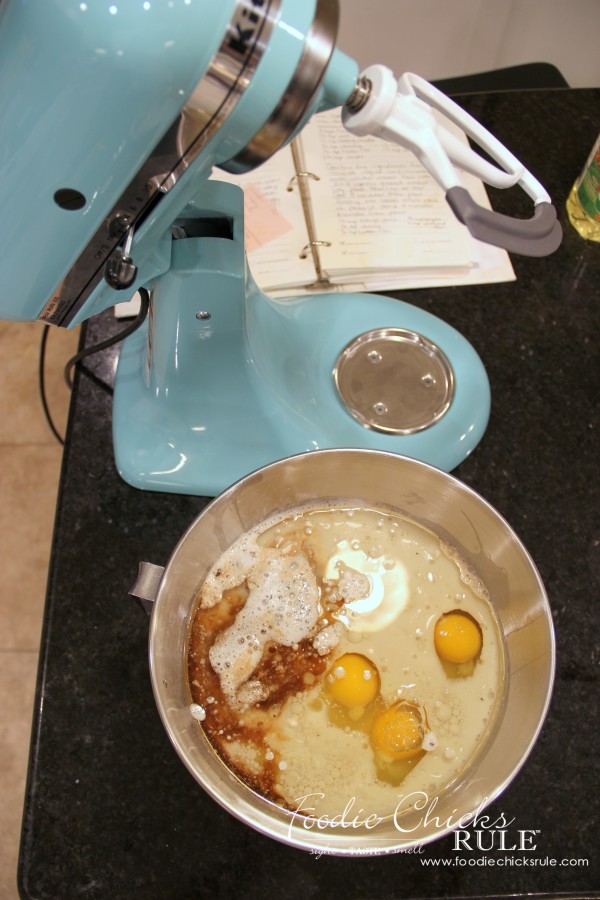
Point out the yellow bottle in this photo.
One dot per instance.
(583, 204)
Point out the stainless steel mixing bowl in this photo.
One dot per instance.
(439, 502)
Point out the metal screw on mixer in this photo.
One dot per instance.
(360, 95)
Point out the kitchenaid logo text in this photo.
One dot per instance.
(245, 26)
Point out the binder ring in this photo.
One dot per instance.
(298, 175)
(308, 246)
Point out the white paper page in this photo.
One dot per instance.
(377, 205)
(387, 220)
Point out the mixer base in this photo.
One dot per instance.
(243, 391)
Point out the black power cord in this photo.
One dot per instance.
(103, 345)
(82, 354)
(42, 386)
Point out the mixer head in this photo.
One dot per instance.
(113, 113)
(113, 116)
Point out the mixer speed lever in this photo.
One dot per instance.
(120, 271)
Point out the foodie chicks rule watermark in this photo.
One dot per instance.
(425, 815)
(473, 834)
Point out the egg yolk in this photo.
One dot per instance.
(397, 733)
(353, 680)
(457, 638)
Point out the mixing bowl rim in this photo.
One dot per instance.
(317, 845)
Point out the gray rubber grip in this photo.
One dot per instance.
(538, 236)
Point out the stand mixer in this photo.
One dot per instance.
(113, 116)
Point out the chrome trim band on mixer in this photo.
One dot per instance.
(299, 94)
(216, 95)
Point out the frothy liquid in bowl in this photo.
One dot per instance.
(344, 655)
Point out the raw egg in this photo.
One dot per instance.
(457, 638)
(398, 732)
(353, 680)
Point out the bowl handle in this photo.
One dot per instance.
(146, 584)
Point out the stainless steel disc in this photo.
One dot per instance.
(394, 380)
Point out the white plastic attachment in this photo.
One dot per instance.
(402, 112)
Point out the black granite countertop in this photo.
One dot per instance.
(110, 810)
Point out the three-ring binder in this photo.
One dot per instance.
(301, 177)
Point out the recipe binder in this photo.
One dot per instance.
(334, 212)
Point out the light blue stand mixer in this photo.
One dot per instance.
(112, 115)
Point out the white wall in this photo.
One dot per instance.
(443, 38)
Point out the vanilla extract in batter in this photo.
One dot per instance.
(290, 600)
